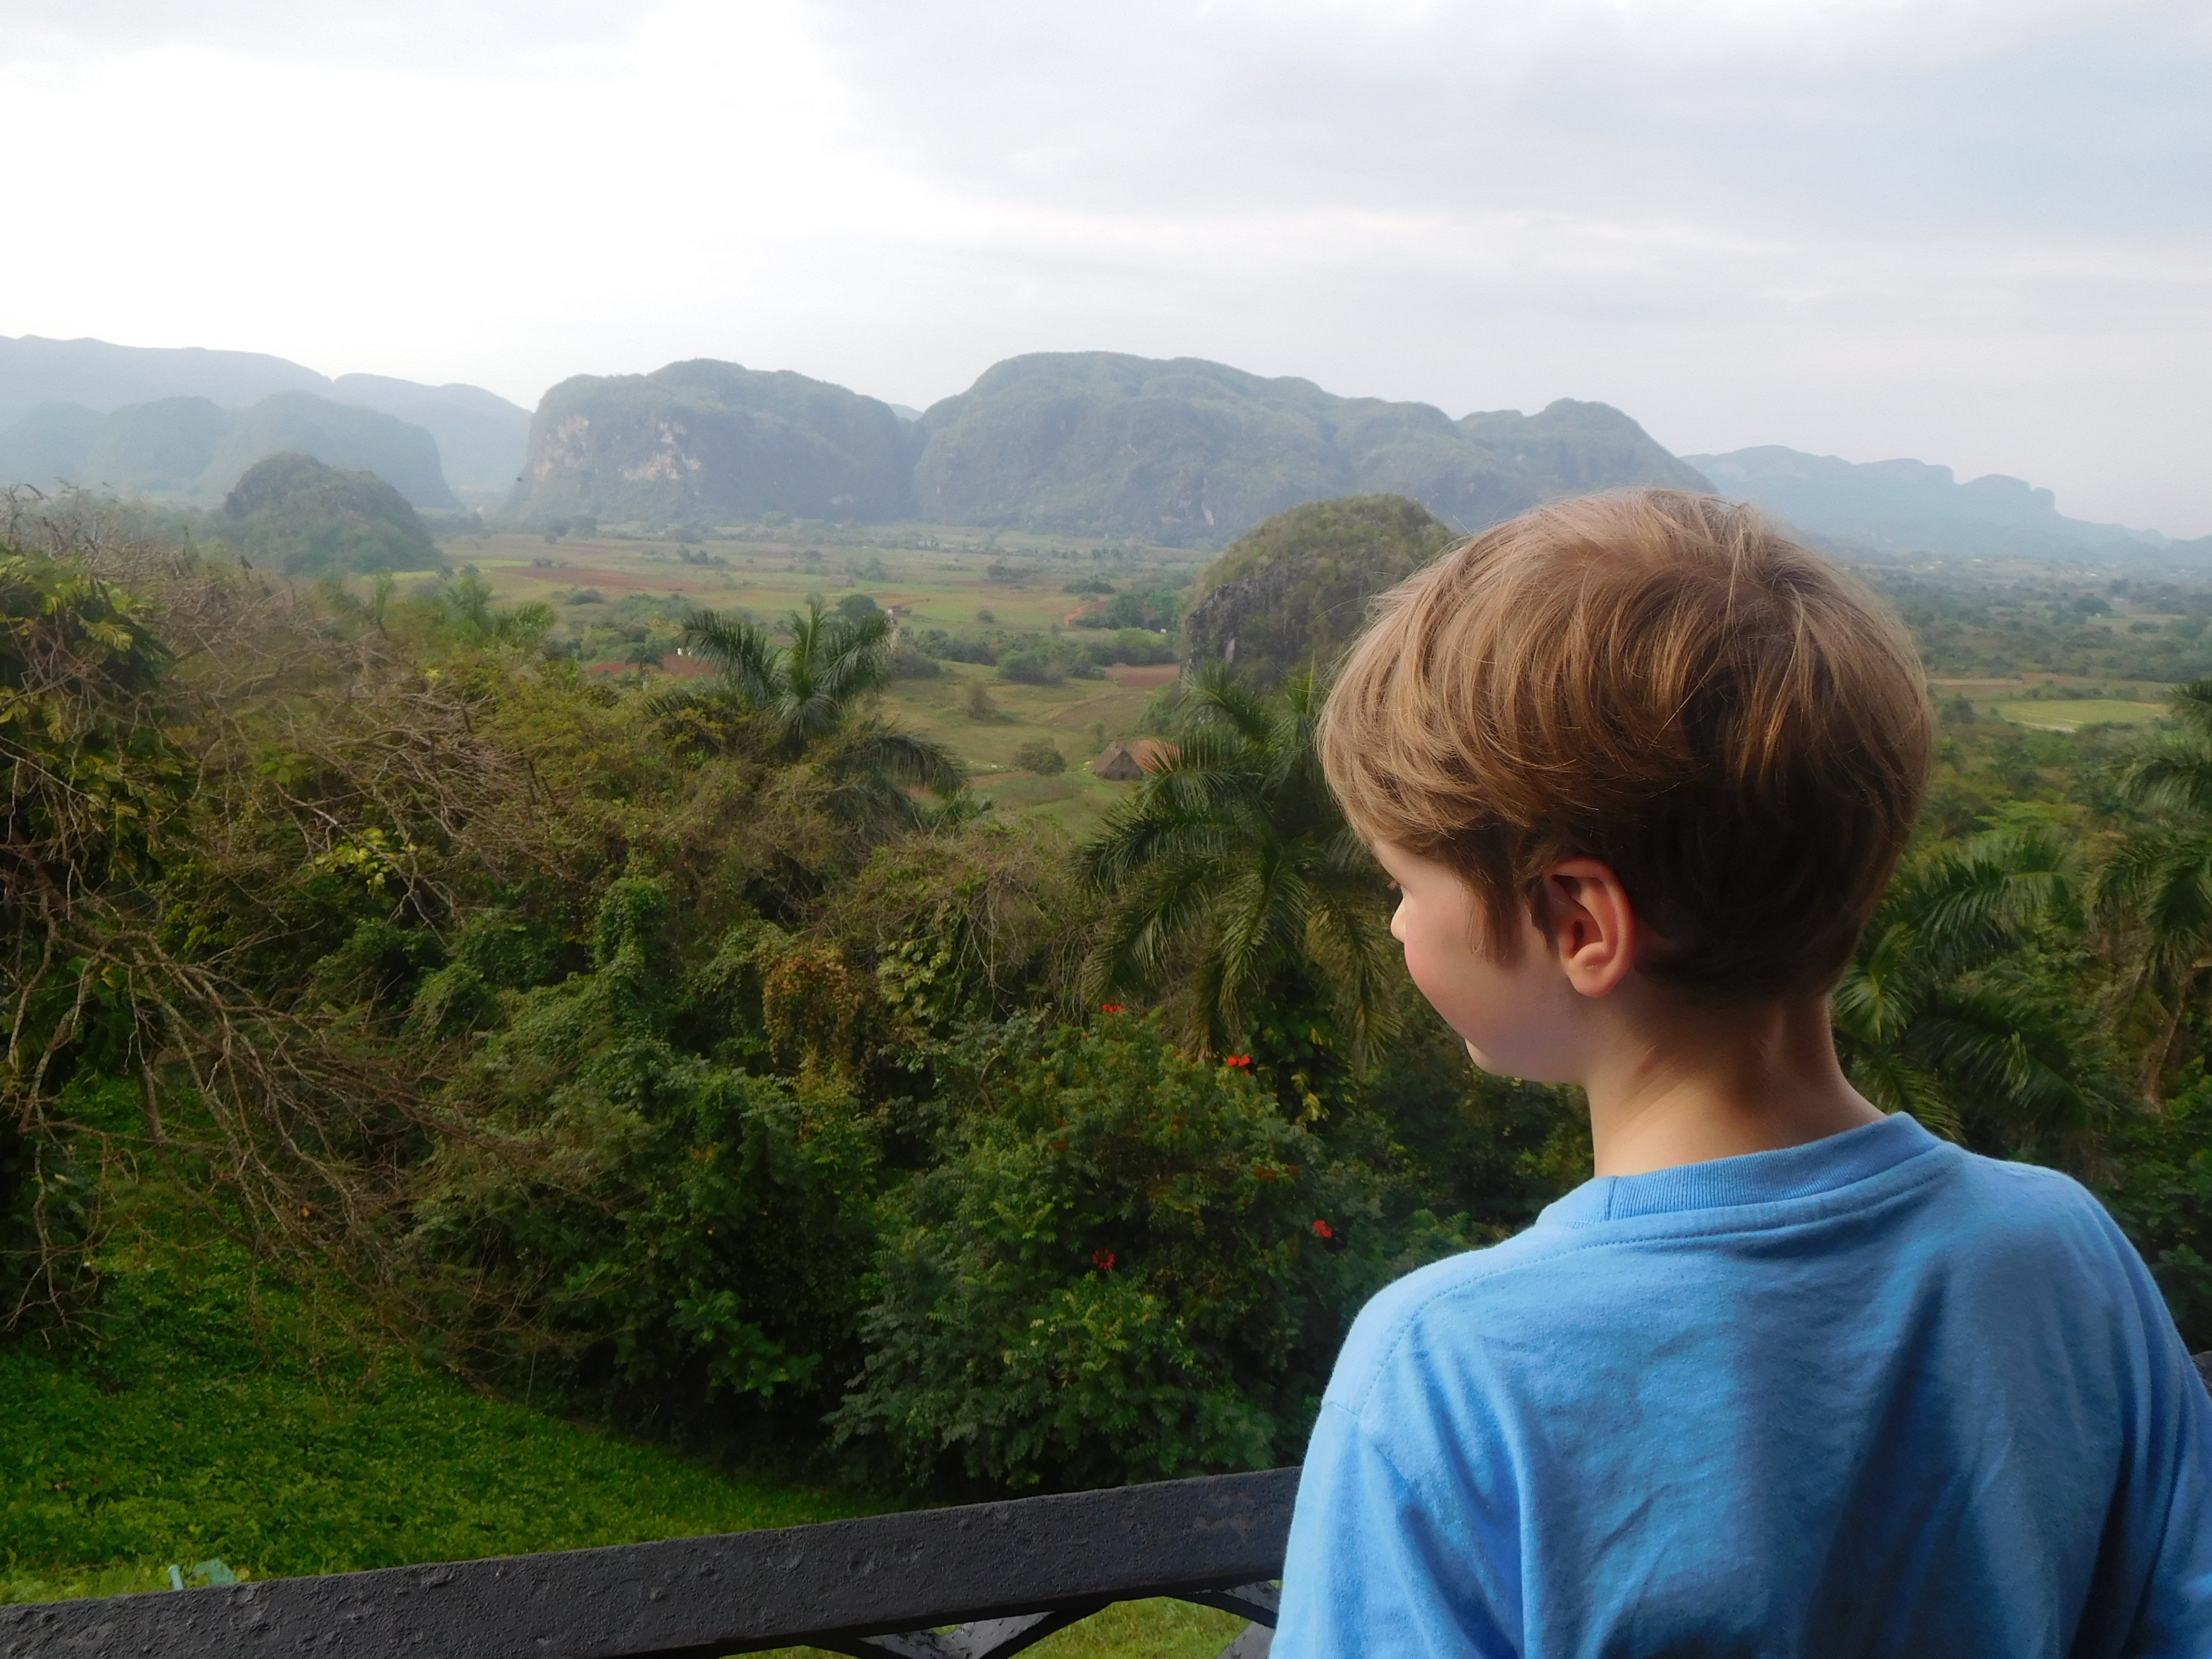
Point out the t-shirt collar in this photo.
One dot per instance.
(1819, 1166)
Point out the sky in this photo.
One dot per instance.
(1974, 232)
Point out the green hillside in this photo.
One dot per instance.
(1189, 450)
(293, 511)
(157, 448)
(1294, 590)
(48, 446)
(194, 448)
(1182, 452)
(338, 435)
(712, 441)
(1907, 505)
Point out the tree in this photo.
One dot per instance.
(2154, 891)
(1292, 591)
(1952, 1012)
(1231, 881)
(811, 700)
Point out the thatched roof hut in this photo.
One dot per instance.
(1116, 761)
(1125, 763)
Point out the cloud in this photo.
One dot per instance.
(469, 36)
(1973, 232)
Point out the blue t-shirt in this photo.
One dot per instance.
(1871, 1396)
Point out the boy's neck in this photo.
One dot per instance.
(1673, 1084)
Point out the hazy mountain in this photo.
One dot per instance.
(1293, 590)
(48, 445)
(101, 376)
(293, 511)
(712, 439)
(1187, 450)
(193, 447)
(158, 448)
(481, 438)
(338, 435)
(1906, 506)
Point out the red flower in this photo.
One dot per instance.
(1242, 1062)
(1110, 1007)
(1322, 1230)
(1102, 1260)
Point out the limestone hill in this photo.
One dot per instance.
(293, 513)
(192, 448)
(1190, 451)
(711, 441)
(1906, 505)
(1092, 443)
(480, 437)
(1293, 591)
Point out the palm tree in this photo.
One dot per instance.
(2155, 889)
(1231, 880)
(1932, 1018)
(811, 700)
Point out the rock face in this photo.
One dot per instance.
(1190, 451)
(1293, 592)
(293, 511)
(705, 440)
(1906, 505)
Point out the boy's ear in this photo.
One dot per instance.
(1594, 927)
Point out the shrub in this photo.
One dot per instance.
(678, 1228)
(1041, 755)
(1128, 1265)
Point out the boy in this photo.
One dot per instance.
(1788, 1376)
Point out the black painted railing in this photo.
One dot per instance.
(1002, 1575)
(982, 1582)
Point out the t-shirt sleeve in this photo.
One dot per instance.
(2174, 1475)
(1373, 1569)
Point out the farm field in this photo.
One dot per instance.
(2072, 715)
(2056, 702)
(962, 582)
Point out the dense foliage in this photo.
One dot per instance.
(1292, 592)
(703, 1057)
(303, 518)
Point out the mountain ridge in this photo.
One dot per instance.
(193, 448)
(481, 437)
(1904, 505)
(1088, 443)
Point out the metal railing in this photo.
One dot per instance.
(1001, 1575)
(980, 1581)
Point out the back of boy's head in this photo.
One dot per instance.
(1661, 681)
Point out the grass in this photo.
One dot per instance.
(2071, 714)
(940, 576)
(219, 1419)
(213, 1421)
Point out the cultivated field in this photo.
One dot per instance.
(621, 599)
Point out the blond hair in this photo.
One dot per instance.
(1664, 683)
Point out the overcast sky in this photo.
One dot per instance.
(1977, 232)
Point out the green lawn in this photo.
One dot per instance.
(2071, 714)
(220, 1420)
